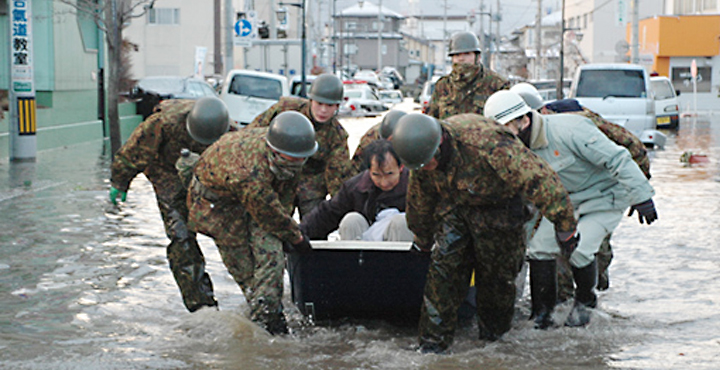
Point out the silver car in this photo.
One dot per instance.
(361, 101)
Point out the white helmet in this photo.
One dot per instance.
(529, 93)
(505, 106)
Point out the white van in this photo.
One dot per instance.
(620, 93)
(667, 109)
(249, 93)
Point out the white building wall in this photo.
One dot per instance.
(170, 49)
(602, 32)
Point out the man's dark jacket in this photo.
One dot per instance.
(358, 194)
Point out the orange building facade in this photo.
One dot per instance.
(669, 44)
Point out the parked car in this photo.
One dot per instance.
(249, 93)
(622, 94)
(296, 84)
(361, 101)
(667, 108)
(427, 92)
(150, 91)
(368, 76)
(548, 89)
(394, 76)
(390, 97)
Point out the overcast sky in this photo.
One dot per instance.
(515, 13)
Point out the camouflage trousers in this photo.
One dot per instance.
(311, 191)
(185, 257)
(471, 238)
(256, 261)
(566, 286)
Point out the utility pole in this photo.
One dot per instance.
(634, 53)
(559, 88)
(538, 39)
(481, 34)
(380, 19)
(445, 36)
(497, 41)
(334, 41)
(229, 36)
(217, 37)
(273, 21)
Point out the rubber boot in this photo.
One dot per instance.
(543, 292)
(585, 298)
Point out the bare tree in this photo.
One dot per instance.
(111, 16)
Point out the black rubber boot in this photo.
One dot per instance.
(543, 292)
(585, 298)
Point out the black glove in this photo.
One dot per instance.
(646, 211)
(417, 248)
(302, 246)
(568, 241)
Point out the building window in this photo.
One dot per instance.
(164, 16)
(709, 5)
(350, 26)
(585, 16)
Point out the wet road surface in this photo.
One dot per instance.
(85, 285)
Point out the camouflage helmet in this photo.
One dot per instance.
(208, 120)
(463, 42)
(327, 88)
(505, 106)
(389, 122)
(529, 93)
(292, 133)
(416, 138)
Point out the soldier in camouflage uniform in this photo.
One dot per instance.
(153, 148)
(602, 181)
(465, 198)
(469, 84)
(382, 130)
(242, 197)
(325, 171)
(620, 136)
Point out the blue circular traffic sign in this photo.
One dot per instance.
(243, 28)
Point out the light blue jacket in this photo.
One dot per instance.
(598, 174)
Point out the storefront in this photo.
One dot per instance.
(673, 42)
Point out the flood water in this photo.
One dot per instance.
(85, 285)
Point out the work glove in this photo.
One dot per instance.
(419, 248)
(646, 211)
(302, 246)
(568, 241)
(114, 194)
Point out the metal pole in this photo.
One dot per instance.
(538, 39)
(444, 36)
(379, 37)
(635, 57)
(304, 53)
(229, 25)
(334, 41)
(481, 34)
(559, 87)
(496, 67)
(217, 38)
(273, 21)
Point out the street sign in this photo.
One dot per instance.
(620, 12)
(246, 30)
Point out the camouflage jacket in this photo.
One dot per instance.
(154, 147)
(623, 137)
(332, 160)
(457, 97)
(236, 171)
(488, 168)
(372, 134)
